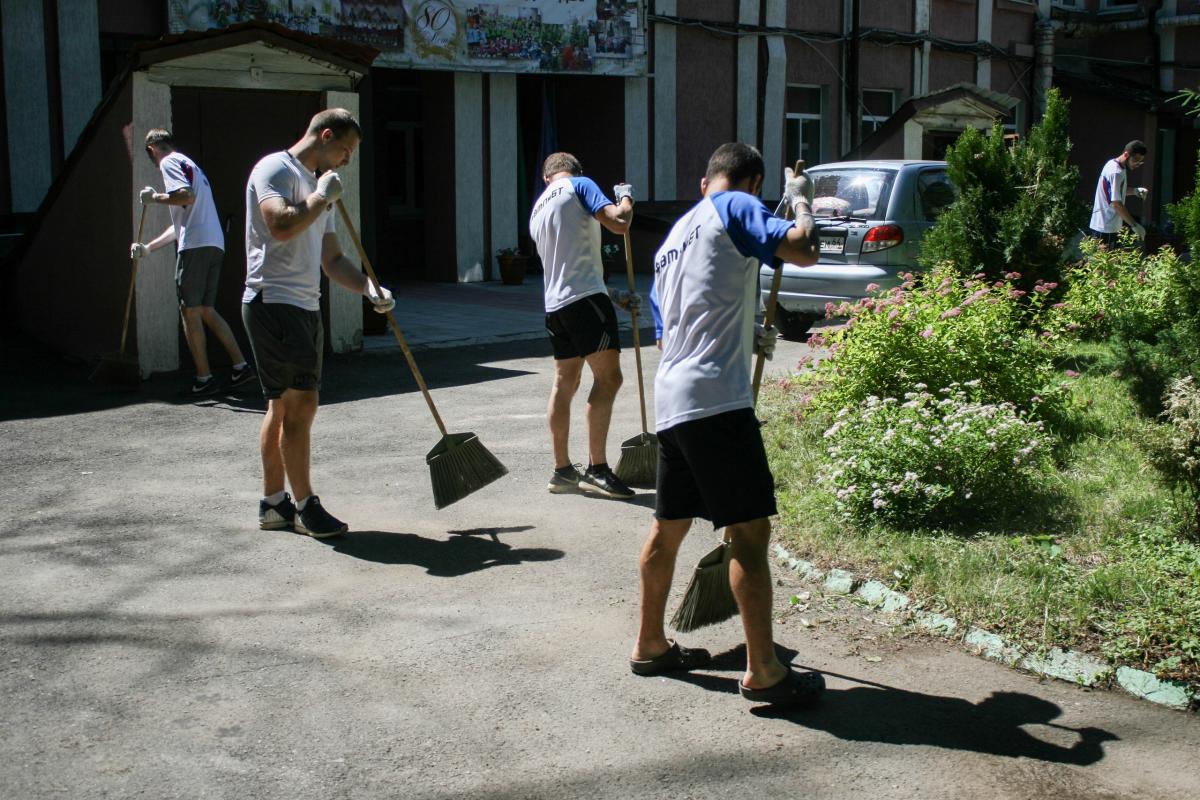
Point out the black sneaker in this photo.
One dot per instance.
(565, 479)
(317, 522)
(243, 376)
(278, 517)
(601, 479)
(204, 388)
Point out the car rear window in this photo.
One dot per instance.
(858, 192)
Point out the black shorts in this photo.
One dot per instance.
(288, 344)
(197, 274)
(1108, 239)
(715, 468)
(589, 325)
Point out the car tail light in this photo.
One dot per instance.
(881, 237)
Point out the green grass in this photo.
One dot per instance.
(1101, 560)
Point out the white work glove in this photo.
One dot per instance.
(1141, 192)
(382, 300)
(329, 187)
(622, 190)
(1140, 231)
(147, 195)
(627, 301)
(138, 250)
(764, 340)
(797, 186)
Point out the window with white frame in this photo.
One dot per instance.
(877, 106)
(802, 136)
(1118, 5)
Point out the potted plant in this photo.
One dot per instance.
(513, 264)
(612, 259)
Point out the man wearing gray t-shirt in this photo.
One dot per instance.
(290, 240)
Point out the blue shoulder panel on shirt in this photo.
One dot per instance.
(590, 196)
(654, 310)
(754, 231)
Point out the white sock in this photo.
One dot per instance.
(242, 365)
(204, 378)
(300, 505)
(275, 499)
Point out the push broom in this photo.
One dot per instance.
(459, 464)
(120, 369)
(638, 463)
(709, 598)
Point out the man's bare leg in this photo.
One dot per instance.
(657, 567)
(750, 579)
(268, 446)
(193, 332)
(299, 411)
(224, 334)
(606, 382)
(567, 373)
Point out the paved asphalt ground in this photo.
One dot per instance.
(155, 644)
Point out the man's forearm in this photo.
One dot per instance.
(179, 197)
(162, 240)
(346, 273)
(1123, 213)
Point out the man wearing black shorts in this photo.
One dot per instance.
(196, 229)
(712, 463)
(580, 318)
(290, 239)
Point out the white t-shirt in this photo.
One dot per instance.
(564, 228)
(1109, 189)
(285, 272)
(706, 293)
(196, 224)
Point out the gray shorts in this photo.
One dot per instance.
(197, 273)
(288, 344)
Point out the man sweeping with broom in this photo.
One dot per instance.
(290, 239)
(580, 318)
(712, 463)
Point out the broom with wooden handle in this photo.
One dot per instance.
(119, 369)
(459, 464)
(709, 598)
(638, 463)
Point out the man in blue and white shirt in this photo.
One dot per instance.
(1109, 212)
(580, 318)
(712, 462)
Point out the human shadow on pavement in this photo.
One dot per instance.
(874, 712)
(463, 553)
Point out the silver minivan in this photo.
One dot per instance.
(871, 217)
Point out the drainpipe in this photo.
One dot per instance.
(1043, 65)
(1155, 44)
(852, 109)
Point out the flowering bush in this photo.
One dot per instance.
(1175, 447)
(933, 459)
(941, 329)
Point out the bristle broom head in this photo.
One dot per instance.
(709, 598)
(458, 465)
(118, 371)
(638, 464)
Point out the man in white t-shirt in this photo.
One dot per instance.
(290, 240)
(1109, 212)
(580, 317)
(200, 249)
(712, 463)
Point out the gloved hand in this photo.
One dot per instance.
(1141, 192)
(764, 340)
(329, 187)
(627, 301)
(622, 190)
(382, 300)
(1139, 231)
(147, 195)
(797, 186)
(138, 250)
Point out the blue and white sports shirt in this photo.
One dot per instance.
(564, 228)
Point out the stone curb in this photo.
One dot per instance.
(1065, 665)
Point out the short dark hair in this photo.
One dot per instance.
(736, 161)
(160, 136)
(338, 120)
(1137, 147)
(561, 162)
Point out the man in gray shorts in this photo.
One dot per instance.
(196, 228)
(290, 239)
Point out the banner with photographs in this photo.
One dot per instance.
(605, 37)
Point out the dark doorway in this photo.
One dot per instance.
(398, 129)
(935, 144)
(226, 131)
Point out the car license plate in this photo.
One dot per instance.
(831, 244)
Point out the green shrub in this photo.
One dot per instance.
(1114, 292)
(1174, 447)
(939, 329)
(1017, 207)
(933, 460)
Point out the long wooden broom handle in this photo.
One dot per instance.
(412, 364)
(637, 346)
(772, 302)
(133, 266)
